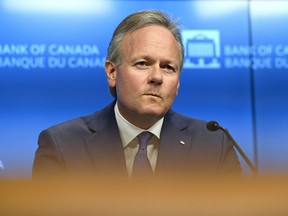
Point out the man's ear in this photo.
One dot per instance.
(111, 73)
(178, 87)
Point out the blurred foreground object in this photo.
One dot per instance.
(186, 196)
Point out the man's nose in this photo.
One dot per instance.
(156, 75)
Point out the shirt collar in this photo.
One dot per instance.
(129, 131)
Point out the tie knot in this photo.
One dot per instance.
(144, 137)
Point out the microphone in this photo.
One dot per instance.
(214, 126)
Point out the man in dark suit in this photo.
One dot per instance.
(143, 65)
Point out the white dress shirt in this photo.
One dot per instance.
(128, 135)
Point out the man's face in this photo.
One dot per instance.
(147, 79)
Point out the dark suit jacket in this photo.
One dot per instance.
(91, 144)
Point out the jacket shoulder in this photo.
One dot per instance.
(181, 119)
(73, 126)
(84, 124)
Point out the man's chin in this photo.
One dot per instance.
(153, 112)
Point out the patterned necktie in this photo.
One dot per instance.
(142, 166)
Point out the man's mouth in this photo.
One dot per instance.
(153, 94)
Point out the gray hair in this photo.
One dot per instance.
(138, 20)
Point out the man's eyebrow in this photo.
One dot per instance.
(150, 58)
(141, 56)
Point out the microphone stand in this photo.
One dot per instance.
(252, 167)
(213, 126)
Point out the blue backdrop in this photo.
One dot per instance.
(52, 55)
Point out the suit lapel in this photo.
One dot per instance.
(106, 151)
(174, 144)
(104, 145)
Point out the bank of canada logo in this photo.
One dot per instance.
(202, 49)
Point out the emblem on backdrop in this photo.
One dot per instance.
(202, 49)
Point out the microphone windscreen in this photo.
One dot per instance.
(212, 126)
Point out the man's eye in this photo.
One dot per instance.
(169, 68)
(141, 64)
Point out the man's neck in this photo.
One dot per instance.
(141, 121)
